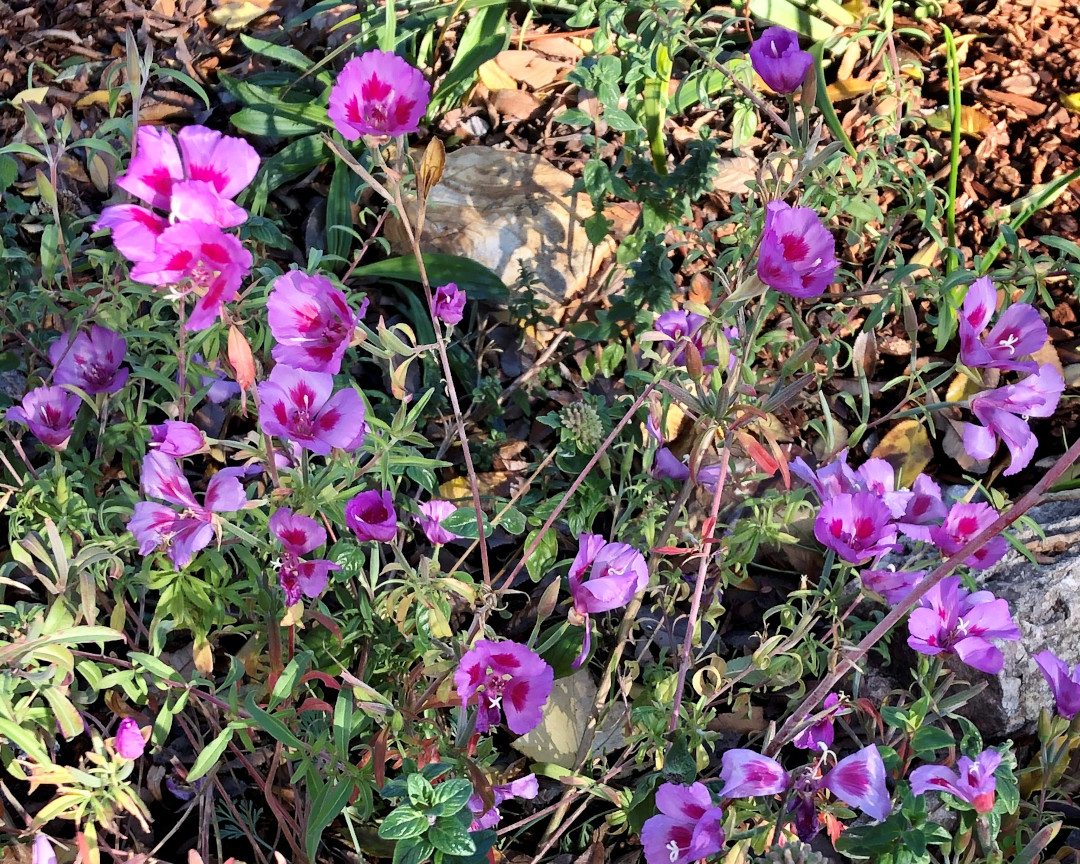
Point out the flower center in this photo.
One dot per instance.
(1010, 343)
(673, 847)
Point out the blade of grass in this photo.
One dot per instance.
(832, 120)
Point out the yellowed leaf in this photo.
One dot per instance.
(94, 97)
(494, 77)
(204, 657)
(1071, 101)
(907, 448)
(236, 15)
(849, 88)
(974, 120)
(962, 387)
(99, 172)
(31, 94)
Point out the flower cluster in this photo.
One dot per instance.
(300, 535)
(1002, 413)
(179, 241)
(90, 362)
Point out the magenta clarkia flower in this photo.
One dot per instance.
(177, 439)
(311, 321)
(797, 254)
(507, 679)
(678, 325)
(50, 414)
(91, 362)
(224, 164)
(1003, 412)
(779, 61)
(449, 303)
(378, 93)
(925, 508)
(879, 477)
(182, 533)
(831, 480)
(686, 829)
(973, 781)
(302, 407)
(893, 585)
(197, 187)
(859, 780)
(747, 774)
(856, 526)
(952, 621)
(431, 515)
(525, 788)
(300, 535)
(371, 516)
(821, 734)
(1064, 685)
(616, 571)
(964, 522)
(129, 740)
(1019, 331)
(197, 258)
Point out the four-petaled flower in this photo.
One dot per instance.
(1064, 685)
(973, 780)
(1019, 331)
(300, 535)
(504, 678)
(378, 93)
(681, 327)
(1003, 414)
(430, 521)
(525, 788)
(302, 407)
(50, 414)
(196, 258)
(184, 533)
(963, 523)
(617, 571)
(177, 439)
(779, 61)
(820, 734)
(747, 774)
(311, 320)
(797, 254)
(371, 516)
(952, 621)
(90, 362)
(857, 526)
(859, 780)
(686, 829)
(449, 303)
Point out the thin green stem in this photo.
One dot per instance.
(952, 260)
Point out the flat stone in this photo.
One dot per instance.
(502, 209)
(1045, 603)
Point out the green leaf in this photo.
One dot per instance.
(543, 557)
(289, 679)
(621, 121)
(413, 852)
(257, 121)
(451, 836)
(281, 53)
(403, 823)
(930, 738)
(484, 37)
(25, 740)
(343, 188)
(476, 280)
(420, 791)
(792, 16)
(210, 754)
(463, 523)
(270, 724)
(450, 796)
(513, 521)
(155, 666)
(9, 171)
(325, 807)
(294, 160)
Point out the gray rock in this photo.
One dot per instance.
(1045, 603)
